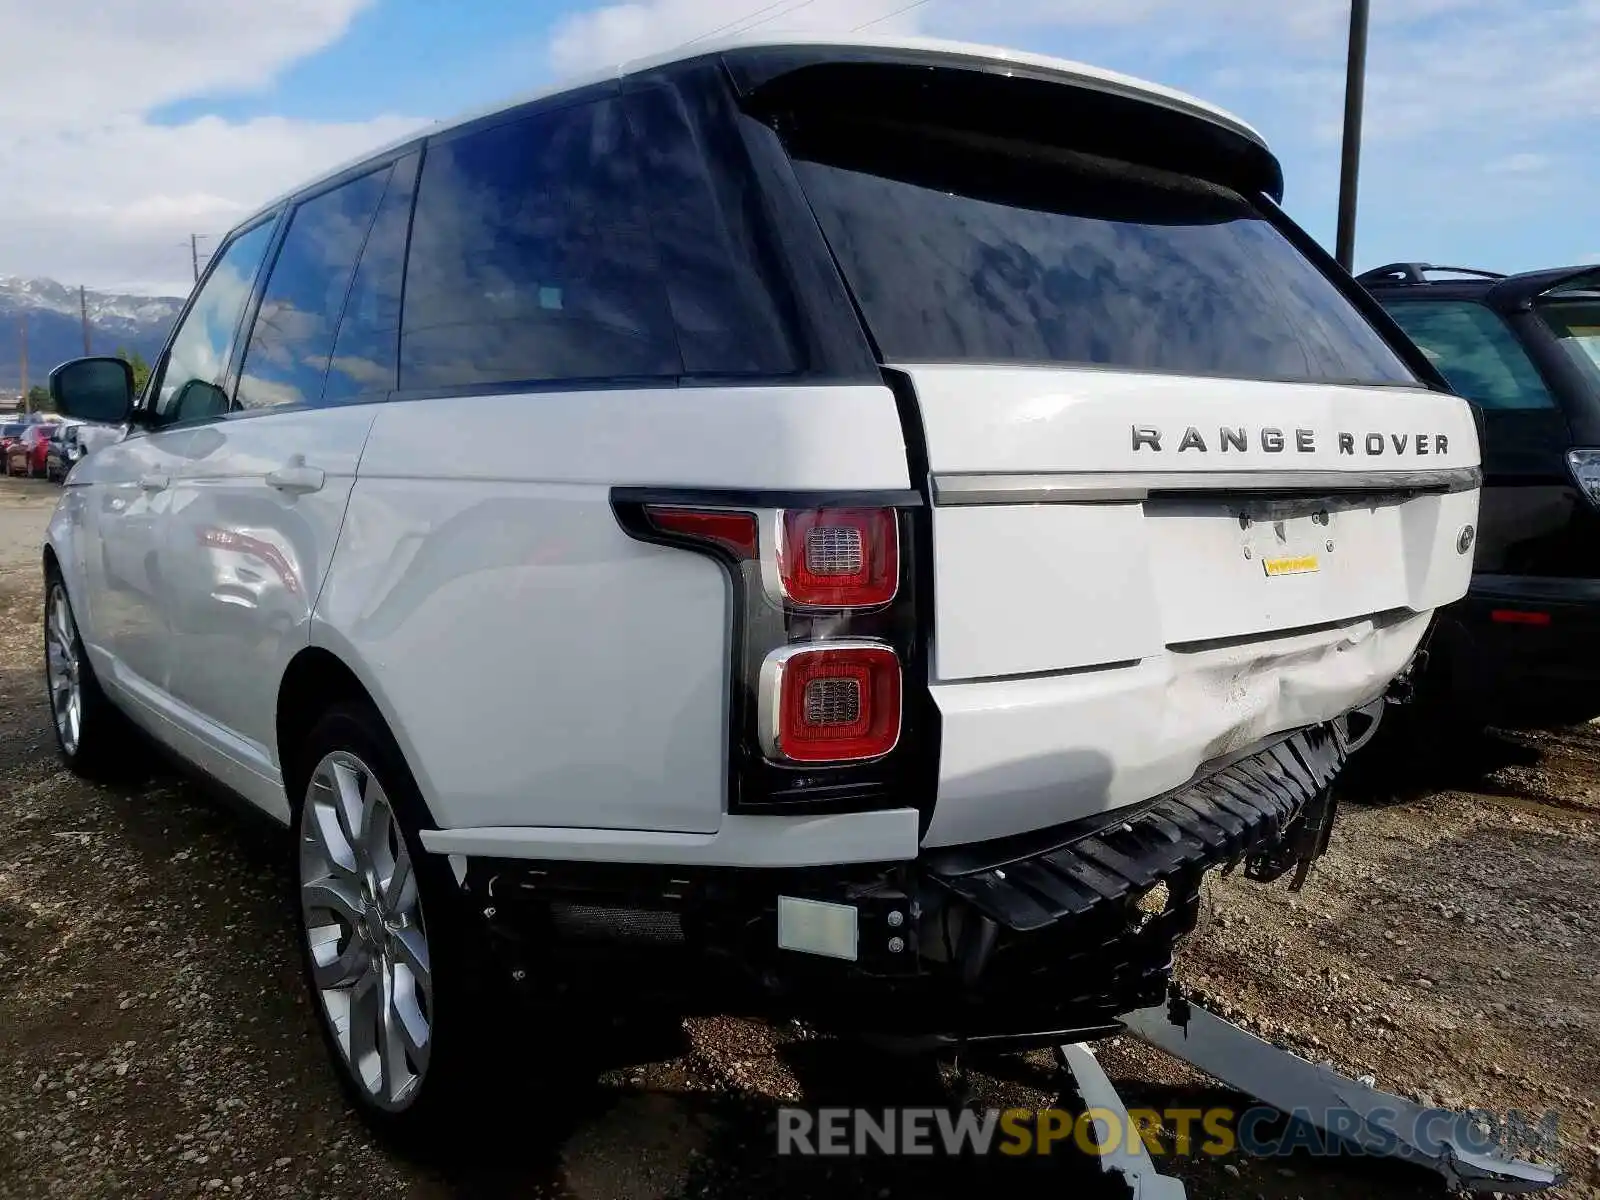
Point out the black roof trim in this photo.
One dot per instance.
(1417, 273)
(1519, 291)
(1498, 291)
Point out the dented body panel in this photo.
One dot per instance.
(1138, 574)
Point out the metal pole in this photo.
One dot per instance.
(194, 254)
(1350, 160)
(22, 331)
(83, 311)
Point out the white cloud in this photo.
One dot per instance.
(74, 60)
(94, 192)
(123, 197)
(612, 34)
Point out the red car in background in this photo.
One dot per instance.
(25, 452)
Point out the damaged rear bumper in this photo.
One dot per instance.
(1039, 938)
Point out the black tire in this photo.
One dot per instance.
(466, 1008)
(106, 748)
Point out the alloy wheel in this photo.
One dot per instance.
(370, 965)
(62, 668)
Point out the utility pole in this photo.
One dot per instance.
(22, 329)
(194, 254)
(83, 311)
(1350, 159)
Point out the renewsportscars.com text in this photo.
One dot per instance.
(1259, 1131)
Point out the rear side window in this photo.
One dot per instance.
(531, 259)
(1573, 315)
(1475, 352)
(292, 340)
(724, 305)
(964, 248)
(364, 354)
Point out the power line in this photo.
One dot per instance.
(793, 8)
(754, 24)
(886, 16)
(735, 21)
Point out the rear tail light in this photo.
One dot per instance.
(838, 557)
(827, 711)
(1518, 616)
(827, 702)
(733, 532)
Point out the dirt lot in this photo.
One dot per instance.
(154, 1042)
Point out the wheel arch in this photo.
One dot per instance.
(63, 545)
(316, 679)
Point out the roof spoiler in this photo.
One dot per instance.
(1007, 99)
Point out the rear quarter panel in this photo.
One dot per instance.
(539, 666)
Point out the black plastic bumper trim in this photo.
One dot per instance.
(1241, 810)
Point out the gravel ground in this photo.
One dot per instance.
(154, 1041)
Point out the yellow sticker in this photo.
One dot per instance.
(1304, 564)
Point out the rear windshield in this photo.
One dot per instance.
(966, 249)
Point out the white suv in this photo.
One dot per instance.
(873, 521)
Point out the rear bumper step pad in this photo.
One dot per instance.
(1246, 810)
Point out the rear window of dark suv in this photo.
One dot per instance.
(961, 248)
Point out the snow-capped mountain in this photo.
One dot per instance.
(55, 331)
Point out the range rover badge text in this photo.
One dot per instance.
(1294, 441)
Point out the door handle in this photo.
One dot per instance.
(297, 479)
(154, 483)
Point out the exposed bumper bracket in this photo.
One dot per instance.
(1385, 1124)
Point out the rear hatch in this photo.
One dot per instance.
(1186, 495)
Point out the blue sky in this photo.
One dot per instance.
(132, 133)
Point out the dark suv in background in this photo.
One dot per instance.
(1524, 647)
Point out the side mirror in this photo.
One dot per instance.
(93, 389)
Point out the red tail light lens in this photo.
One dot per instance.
(734, 532)
(836, 703)
(1518, 616)
(839, 557)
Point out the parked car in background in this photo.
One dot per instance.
(10, 432)
(63, 452)
(1523, 648)
(26, 453)
(73, 441)
(910, 514)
